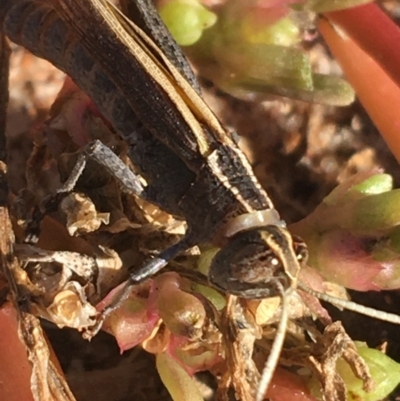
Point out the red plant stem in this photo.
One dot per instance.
(378, 93)
(15, 369)
(374, 32)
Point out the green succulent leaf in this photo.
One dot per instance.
(179, 384)
(384, 371)
(186, 20)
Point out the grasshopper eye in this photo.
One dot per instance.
(253, 260)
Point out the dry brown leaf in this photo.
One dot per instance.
(335, 343)
(47, 383)
(82, 216)
(239, 334)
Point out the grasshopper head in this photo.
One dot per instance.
(254, 259)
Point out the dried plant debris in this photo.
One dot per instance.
(239, 333)
(335, 344)
(47, 383)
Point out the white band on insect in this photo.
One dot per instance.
(247, 221)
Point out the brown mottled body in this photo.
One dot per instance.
(193, 167)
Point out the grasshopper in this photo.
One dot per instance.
(145, 88)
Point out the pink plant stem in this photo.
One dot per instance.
(15, 369)
(374, 32)
(378, 93)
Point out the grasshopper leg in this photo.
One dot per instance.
(149, 269)
(99, 152)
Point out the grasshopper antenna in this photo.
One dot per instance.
(352, 306)
(277, 345)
